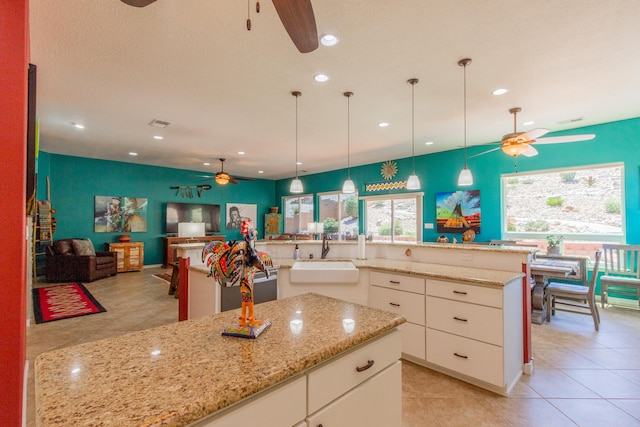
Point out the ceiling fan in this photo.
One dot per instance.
(224, 178)
(520, 143)
(296, 16)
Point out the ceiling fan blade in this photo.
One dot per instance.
(138, 3)
(299, 21)
(243, 179)
(232, 180)
(484, 152)
(567, 138)
(530, 152)
(534, 133)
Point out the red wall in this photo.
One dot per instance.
(13, 124)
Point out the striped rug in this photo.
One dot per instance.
(63, 301)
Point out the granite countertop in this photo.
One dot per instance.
(470, 275)
(179, 373)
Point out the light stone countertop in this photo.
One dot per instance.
(176, 374)
(470, 275)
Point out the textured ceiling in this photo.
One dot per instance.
(192, 63)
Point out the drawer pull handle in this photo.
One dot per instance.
(394, 304)
(365, 367)
(395, 282)
(459, 318)
(460, 356)
(459, 292)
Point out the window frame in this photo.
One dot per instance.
(302, 227)
(340, 195)
(419, 196)
(541, 235)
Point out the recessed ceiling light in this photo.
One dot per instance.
(260, 171)
(132, 153)
(329, 40)
(298, 163)
(529, 123)
(78, 125)
(428, 143)
(500, 91)
(321, 78)
(207, 164)
(158, 137)
(383, 124)
(241, 153)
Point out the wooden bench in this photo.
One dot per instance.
(622, 276)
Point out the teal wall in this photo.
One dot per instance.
(614, 142)
(76, 180)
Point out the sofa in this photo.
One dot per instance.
(76, 260)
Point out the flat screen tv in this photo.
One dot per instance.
(192, 212)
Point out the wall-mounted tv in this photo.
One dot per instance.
(192, 212)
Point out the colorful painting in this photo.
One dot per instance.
(457, 212)
(114, 214)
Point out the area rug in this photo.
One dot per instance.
(63, 301)
(163, 276)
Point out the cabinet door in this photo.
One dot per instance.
(120, 257)
(376, 402)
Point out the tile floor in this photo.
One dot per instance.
(581, 377)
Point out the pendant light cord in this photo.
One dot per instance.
(465, 115)
(348, 95)
(296, 136)
(413, 126)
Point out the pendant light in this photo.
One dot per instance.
(296, 184)
(413, 183)
(465, 178)
(348, 187)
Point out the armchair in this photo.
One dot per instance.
(70, 260)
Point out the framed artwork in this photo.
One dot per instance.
(458, 211)
(115, 214)
(236, 212)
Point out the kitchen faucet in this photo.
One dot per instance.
(325, 246)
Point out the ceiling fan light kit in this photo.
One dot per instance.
(413, 182)
(465, 178)
(296, 184)
(348, 187)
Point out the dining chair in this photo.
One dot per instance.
(575, 298)
(621, 273)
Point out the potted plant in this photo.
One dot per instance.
(554, 244)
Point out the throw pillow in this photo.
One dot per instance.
(63, 247)
(83, 247)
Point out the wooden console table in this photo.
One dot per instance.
(169, 254)
(130, 255)
(572, 268)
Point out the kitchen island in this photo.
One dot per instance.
(317, 353)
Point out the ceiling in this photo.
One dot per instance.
(114, 68)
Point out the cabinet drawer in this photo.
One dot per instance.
(330, 381)
(467, 293)
(413, 340)
(397, 281)
(408, 304)
(377, 402)
(469, 320)
(466, 356)
(291, 396)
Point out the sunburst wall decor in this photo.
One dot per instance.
(389, 169)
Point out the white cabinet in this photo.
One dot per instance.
(264, 408)
(405, 295)
(365, 406)
(362, 387)
(475, 332)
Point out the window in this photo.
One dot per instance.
(580, 204)
(298, 212)
(339, 213)
(394, 218)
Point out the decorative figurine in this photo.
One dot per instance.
(235, 264)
